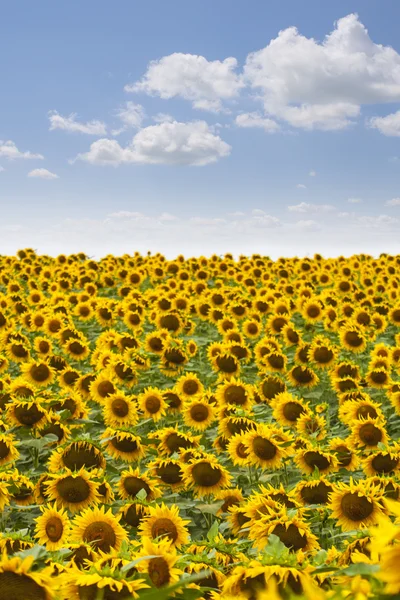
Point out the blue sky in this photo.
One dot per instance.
(235, 138)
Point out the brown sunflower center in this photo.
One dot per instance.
(271, 387)
(170, 473)
(124, 445)
(133, 485)
(4, 450)
(14, 586)
(190, 387)
(366, 412)
(206, 475)
(353, 339)
(241, 451)
(175, 441)
(379, 377)
(164, 527)
(28, 415)
(134, 515)
(75, 457)
(19, 351)
(315, 459)
(291, 536)
(384, 463)
(120, 407)
(158, 570)
(153, 404)
(73, 489)
(199, 412)
(355, 507)
(323, 355)
(343, 455)
(292, 411)
(40, 373)
(235, 394)
(226, 364)
(370, 435)
(54, 529)
(263, 448)
(317, 494)
(105, 388)
(174, 356)
(302, 375)
(101, 535)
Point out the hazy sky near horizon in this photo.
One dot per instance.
(188, 127)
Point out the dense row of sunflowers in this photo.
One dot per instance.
(201, 428)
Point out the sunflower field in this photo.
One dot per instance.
(199, 428)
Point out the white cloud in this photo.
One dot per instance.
(321, 85)
(131, 115)
(380, 221)
(301, 186)
(191, 77)
(163, 118)
(2, 169)
(173, 143)
(393, 202)
(70, 123)
(125, 214)
(305, 207)
(389, 125)
(9, 150)
(354, 200)
(312, 174)
(42, 174)
(254, 119)
(308, 225)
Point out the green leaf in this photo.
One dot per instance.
(359, 569)
(141, 495)
(213, 531)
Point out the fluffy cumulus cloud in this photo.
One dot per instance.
(71, 124)
(305, 207)
(205, 83)
(254, 119)
(389, 125)
(9, 150)
(321, 85)
(42, 174)
(169, 143)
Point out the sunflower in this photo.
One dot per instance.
(378, 377)
(120, 410)
(355, 505)
(262, 448)
(134, 513)
(26, 413)
(198, 414)
(189, 386)
(52, 527)
(294, 533)
(367, 433)
(169, 471)
(346, 457)
(174, 401)
(354, 410)
(311, 425)
(352, 338)
(172, 440)
(21, 489)
(12, 543)
(308, 459)
(235, 393)
(123, 445)
(287, 409)
(108, 581)
(76, 455)
(8, 450)
(19, 582)
(152, 403)
(270, 387)
(100, 528)
(165, 522)
(102, 387)
(301, 376)
(157, 561)
(73, 490)
(322, 353)
(206, 476)
(238, 520)
(5, 496)
(230, 497)
(237, 450)
(379, 462)
(133, 481)
(314, 492)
